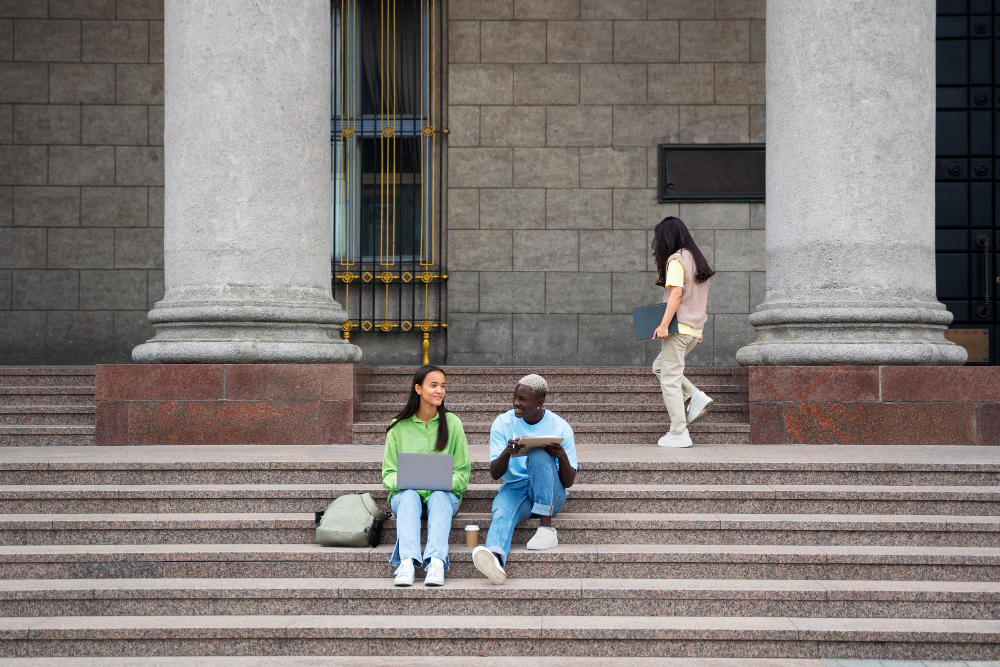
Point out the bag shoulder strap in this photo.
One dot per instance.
(370, 505)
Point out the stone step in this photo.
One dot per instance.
(47, 370)
(615, 561)
(701, 433)
(519, 597)
(437, 661)
(599, 464)
(579, 528)
(46, 376)
(486, 381)
(47, 396)
(730, 413)
(36, 435)
(57, 381)
(586, 498)
(47, 415)
(699, 636)
(548, 372)
(558, 394)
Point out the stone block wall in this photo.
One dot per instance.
(555, 108)
(81, 176)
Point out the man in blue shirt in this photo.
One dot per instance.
(533, 484)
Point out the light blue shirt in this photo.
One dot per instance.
(507, 427)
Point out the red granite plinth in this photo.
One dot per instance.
(225, 404)
(875, 405)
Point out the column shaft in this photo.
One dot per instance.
(247, 197)
(850, 187)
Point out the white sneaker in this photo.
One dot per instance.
(682, 439)
(487, 563)
(435, 573)
(404, 573)
(544, 538)
(698, 407)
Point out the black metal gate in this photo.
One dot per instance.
(968, 172)
(386, 169)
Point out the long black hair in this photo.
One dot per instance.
(413, 402)
(670, 236)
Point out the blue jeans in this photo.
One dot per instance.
(542, 493)
(409, 507)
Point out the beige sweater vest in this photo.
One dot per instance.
(693, 309)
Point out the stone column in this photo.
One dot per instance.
(247, 168)
(850, 187)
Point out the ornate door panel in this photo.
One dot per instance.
(968, 166)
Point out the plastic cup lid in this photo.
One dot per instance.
(472, 527)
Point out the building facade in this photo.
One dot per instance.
(539, 198)
(546, 196)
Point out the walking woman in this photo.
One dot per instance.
(424, 426)
(684, 273)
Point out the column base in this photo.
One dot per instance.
(870, 334)
(253, 351)
(234, 324)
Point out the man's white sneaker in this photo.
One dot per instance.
(404, 573)
(487, 563)
(544, 538)
(698, 407)
(682, 439)
(435, 573)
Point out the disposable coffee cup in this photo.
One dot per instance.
(471, 535)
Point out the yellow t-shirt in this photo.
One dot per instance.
(675, 278)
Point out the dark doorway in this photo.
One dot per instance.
(968, 172)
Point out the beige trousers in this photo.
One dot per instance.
(669, 369)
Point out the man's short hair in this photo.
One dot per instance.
(535, 383)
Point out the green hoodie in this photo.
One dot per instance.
(412, 436)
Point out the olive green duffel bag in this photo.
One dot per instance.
(353, 520)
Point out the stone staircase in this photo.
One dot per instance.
(46, 405)
(715, 551)
(605, 405)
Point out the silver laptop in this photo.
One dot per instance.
(424, 472)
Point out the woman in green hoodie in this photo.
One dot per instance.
(424, 426)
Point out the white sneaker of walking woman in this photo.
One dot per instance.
(544, 538)
(698, 406)
(404, 573)
(435, 573)
(682, 439)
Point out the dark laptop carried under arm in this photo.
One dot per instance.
(645, 319)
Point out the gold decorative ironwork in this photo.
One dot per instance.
(346, 329)
(369, 246)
